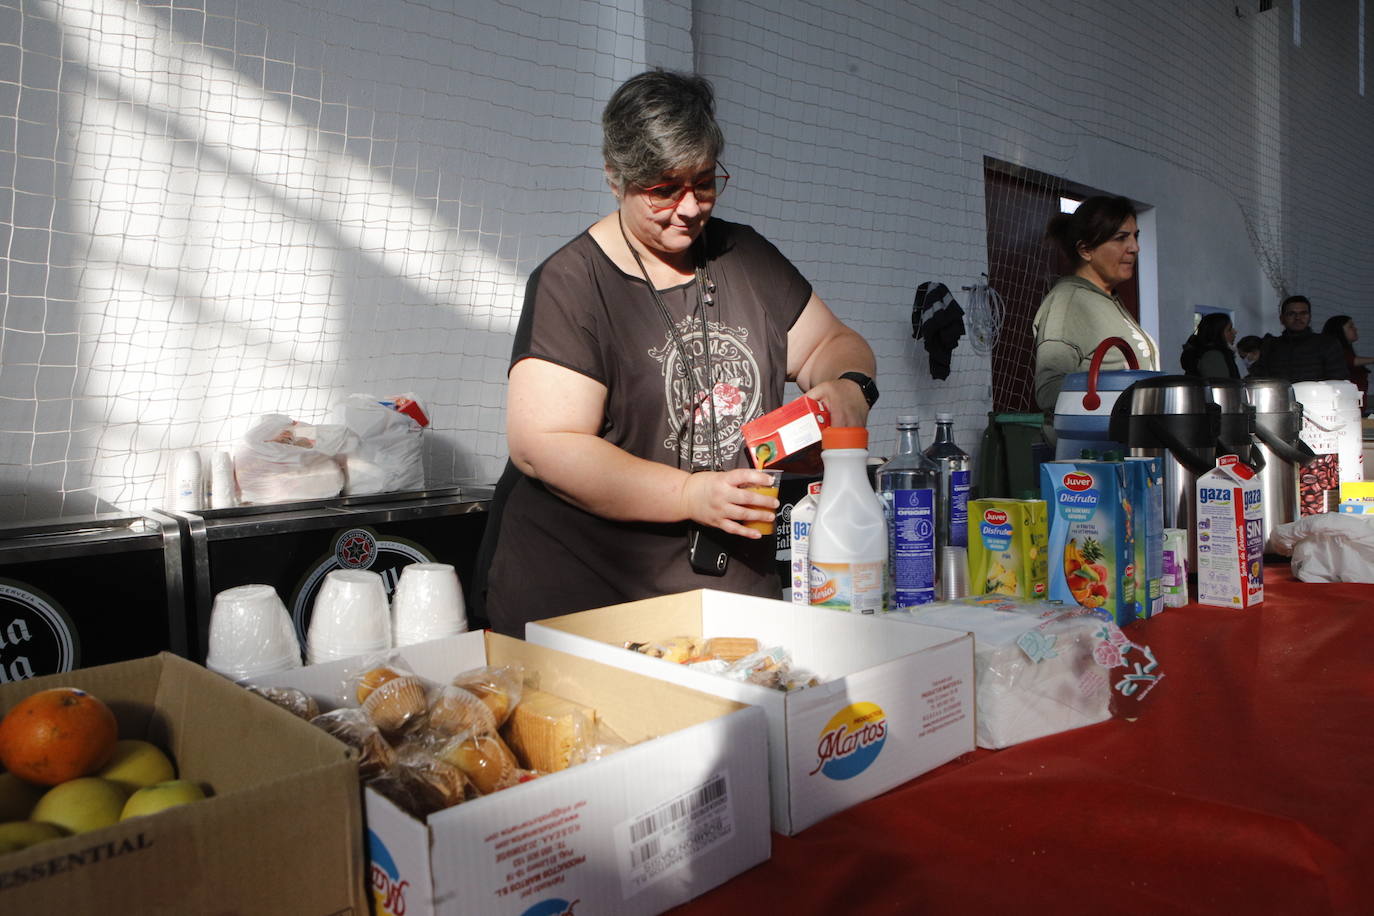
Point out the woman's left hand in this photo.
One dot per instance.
(845, 401)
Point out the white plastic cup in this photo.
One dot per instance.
(224, 491)
(428, 604)
(187, 481)
(251, 634)
(350, 617)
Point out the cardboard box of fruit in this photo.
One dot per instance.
(156, 786)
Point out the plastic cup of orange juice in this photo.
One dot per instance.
(769, 490)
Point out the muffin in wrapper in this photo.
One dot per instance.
(396, 703)
(422, 784)
(355, 728)
(497, 686)
(485, 760)
(455, 711)
(297, 702)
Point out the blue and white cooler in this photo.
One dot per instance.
(1083, 411)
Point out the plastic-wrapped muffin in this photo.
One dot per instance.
(372, 678)
(455, 711)
(421, 784)
(355, 728)
(396, 703)
(485, 760)
(297, 702)
(497, 686)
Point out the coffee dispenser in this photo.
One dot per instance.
(1173, 418)
(1236, 421)
(1278, 423)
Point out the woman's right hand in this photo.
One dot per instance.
(719, 499)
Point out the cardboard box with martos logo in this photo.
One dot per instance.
(680, 810)
(895, 700)
(281, 833)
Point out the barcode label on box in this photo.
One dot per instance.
(666, 838)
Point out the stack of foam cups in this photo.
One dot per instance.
(251, 634)
(351, 617)
(428, 604)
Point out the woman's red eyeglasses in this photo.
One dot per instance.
(666, 196)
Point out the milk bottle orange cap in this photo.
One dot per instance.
(844, 437)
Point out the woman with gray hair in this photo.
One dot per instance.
(644, 345)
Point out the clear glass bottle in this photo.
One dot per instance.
(952, 464)
(908, 484)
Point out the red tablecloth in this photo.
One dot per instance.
(1246, 785)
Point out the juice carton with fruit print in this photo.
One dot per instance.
(1146, 478)
(1092, 536)
(1007, 547)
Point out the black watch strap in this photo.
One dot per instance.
(866, 385)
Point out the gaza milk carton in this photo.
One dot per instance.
(1230, 535)
(1092, 536)
(1007, 547)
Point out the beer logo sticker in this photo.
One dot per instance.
(388, 888)
(851, 741)
(355, 549)
(36, 634)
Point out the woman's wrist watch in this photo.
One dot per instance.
(866, 385)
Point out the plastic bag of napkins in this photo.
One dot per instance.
(1041, 668)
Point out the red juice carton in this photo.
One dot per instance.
(789, 437)
(1230, 535)
(1092, 559)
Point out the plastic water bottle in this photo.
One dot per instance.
(951, 507)
(848, 537)
(908, 484)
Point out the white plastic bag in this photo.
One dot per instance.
(280, 460)
(385, 454)
(1330, 547)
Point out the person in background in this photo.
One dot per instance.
(1100, 239)
(644, 344)
(1248, 347)
(1299, 354)
(1342, 327)
(1207, 354)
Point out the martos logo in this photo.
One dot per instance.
(851, 741)
(555, 907)
(1078, 481)
(388, 889)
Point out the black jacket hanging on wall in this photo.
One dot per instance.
(938, 320)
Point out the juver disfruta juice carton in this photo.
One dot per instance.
(1008, 547)
(1230, 535)
(1092, 536)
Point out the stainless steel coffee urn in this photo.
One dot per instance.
(1278, 421)
(1173, 418)
(1236, 421)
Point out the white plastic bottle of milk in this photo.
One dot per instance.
(849, 536)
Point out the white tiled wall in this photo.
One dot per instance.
(211, 210)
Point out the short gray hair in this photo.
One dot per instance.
(659, 122)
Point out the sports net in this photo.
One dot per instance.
(215, 210)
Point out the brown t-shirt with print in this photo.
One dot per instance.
(582, 312)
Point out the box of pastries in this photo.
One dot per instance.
(856, 705)
(504, 777)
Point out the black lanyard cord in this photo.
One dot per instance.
(690, 365)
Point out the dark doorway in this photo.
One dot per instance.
(1022, 267)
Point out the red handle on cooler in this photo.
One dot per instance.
(1091, 400)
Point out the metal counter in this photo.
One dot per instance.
(89, 590)
(292, 546)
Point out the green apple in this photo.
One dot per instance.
(152, 799)
(17, 835)
(17, 797)
(136, 764)
(78, 805)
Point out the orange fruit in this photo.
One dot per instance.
(56, 735)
